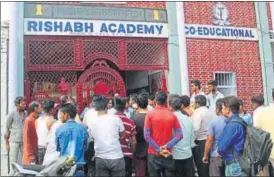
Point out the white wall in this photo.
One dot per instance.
(4, 79)
(272, 13)
(136, 79)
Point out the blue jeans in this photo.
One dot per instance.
(79, 173)
(233, 169)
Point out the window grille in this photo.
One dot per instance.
(226, 82)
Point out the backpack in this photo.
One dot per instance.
(256, 151)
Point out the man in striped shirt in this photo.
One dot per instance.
(128, 143)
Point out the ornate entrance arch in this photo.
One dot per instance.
(98, 79)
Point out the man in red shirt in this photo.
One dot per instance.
(159, 127)
(128, 143)
(30, 139)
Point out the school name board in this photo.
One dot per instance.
(94, 28)
(220, 32)
(89, 12)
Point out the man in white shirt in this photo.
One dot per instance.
(257, 103)
(89, 115)
(151, 103)
(106, 131)
(51, 154)
(213, 96)
(265, 122)
(195, 90)
(43, 124)
(202, 117)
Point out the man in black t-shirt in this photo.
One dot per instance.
(141, 147)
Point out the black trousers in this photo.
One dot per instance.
(184, 167)
(202, 168)
(158, 165)
(128, 163)
(41, 154)
(89, 167)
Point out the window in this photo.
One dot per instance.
(226, 83)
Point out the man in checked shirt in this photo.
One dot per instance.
(128, 143)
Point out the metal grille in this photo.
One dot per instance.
(99, 79)
(100, 47)
(144, 53)
(226, 82)
(51, 52)
(47, 82)
(46, 56)
(225, 79)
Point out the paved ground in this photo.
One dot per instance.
(4, 168)
(4, 159)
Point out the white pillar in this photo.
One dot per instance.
(182, 48)
(13, 54)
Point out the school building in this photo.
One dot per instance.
(87, 48)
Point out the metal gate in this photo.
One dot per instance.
(51, 59)
(99, 79)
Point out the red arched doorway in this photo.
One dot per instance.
(99, 79)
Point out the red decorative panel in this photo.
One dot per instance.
(49, 58)
(48, 53)
(146, 54)
(51, 52)
(47, 83)
(99, 79)
(40, 96)
(94, 49)
(241, 14)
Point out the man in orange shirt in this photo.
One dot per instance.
(30, 136)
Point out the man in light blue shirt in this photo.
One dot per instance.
(245, 115)
(181, 152)
(215, 130)
(71, 138)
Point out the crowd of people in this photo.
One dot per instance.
(146, 135)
